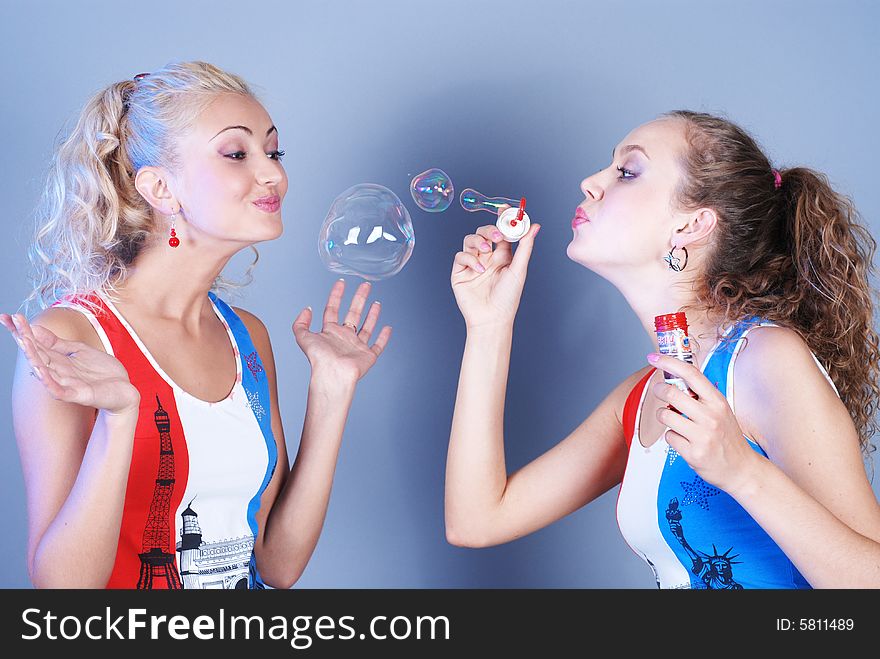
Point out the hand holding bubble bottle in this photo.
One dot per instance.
(488, 282)
(673, 340)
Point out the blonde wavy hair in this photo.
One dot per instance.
(795, 253)
(91, 222)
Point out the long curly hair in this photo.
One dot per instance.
(91, 222)
(789, 249)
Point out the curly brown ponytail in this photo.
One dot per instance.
(796, 254)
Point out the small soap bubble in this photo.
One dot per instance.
(367, 232)
(432, 190)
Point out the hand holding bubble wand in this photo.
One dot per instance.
(488, 283)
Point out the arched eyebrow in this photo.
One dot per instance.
(627, 149)
(245, 129)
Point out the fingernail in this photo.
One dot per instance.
(38, 372)
(15, 322)
(497, 235)
(537, 230)
(19, 342)
(377, 302)
(653, 357)
(309, 307)
(480, 268)
(485, 247)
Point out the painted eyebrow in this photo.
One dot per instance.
(245, 129)
(627, 149)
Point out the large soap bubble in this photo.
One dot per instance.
(367, 232)
(432, 190)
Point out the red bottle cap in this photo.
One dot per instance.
(671, 321)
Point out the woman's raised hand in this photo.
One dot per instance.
(74, 372)
(488, 282)
(340, 350)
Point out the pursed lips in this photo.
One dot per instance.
(580, 217)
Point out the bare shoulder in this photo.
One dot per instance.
(776, 381)
(251, 321)
(617, 397)
(68, 324)
(257, 330)
(774, 337)
(773, 356)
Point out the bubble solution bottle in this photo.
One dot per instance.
(673, 340)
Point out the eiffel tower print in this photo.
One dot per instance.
(157, 559)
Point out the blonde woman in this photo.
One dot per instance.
(761, 488)
(145, 408)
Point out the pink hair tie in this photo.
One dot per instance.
(777, 179)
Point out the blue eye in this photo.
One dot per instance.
(625, 174)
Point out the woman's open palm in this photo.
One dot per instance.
(72, 371)
(341, 348)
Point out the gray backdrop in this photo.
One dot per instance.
(512, 98)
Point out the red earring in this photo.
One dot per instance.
(174, 241)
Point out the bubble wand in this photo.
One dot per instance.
(513, 223)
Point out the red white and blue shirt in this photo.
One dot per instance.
(692, 534)
(198, 468)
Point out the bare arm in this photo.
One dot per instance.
(826, 550)
(813, 496)
(75, 457)
(290, 524)
(294, 506)
(484, 506)
(297, 516)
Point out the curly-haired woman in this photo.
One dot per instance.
(760, 481)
